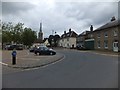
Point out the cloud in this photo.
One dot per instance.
(59, 15)
(92, 13)
(15, 7)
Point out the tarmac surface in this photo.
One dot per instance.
(78, 69)
(25, 59)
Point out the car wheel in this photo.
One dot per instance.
(39, 53)
(35, 53)
(51, 53)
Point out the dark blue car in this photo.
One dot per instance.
(44, 51)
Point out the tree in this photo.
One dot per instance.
(28, 36)
(17, 33)
(56, 38)
(50, 40)
(6, 32)
(53, 40)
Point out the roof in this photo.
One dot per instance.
(38, 41)
(109, 25)
(69, 34)
(84, 33)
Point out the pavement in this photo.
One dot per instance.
(99, 52)
(25, 59)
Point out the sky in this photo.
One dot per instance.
(59, 15)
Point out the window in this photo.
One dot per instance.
(115, 33)
(106, 34)
(68, 34)
(68, 45)
(115, 44)
(98, 44)
(67, 39)
(81, 38)
(91, 35)
(98, 35)
(105, 44)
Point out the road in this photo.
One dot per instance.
(76, 70)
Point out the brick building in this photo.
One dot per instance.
(107, 36)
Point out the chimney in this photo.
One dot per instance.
(91, 28)
(64, 32)
(70, 30)
(113, 18)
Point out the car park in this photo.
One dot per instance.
(44, 51)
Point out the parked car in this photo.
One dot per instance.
(17, 47)
(32, 49)
(80, 47)
(44, 51)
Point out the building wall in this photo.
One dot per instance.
(102, 39)
(47, 43)
(72, 41)
(80, 40)
(67, 42)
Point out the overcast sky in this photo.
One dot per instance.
(59, 15)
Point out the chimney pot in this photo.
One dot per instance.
(91, 28)
(64, 32)
(113, 18)
(70, 30)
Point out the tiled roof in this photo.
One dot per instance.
(69, 34)
(109, 25)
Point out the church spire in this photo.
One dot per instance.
(40, 34)
(40, 27)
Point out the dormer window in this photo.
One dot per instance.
(67, 34)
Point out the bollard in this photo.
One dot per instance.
(14, 53)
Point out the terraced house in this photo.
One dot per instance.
(106, 37)
(68, 40)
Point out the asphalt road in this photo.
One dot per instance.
(76, 70)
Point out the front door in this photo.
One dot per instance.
(115, 46)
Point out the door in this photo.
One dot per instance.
(115, 46)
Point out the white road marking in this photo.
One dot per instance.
(3, 63)
(30, 59)
(106, 54)
(45, 65)
(99, 53)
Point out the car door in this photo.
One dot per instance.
(46, 51)
(42, 50)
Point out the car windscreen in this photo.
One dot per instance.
(43, 48)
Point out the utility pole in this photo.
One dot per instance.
(52, 32)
